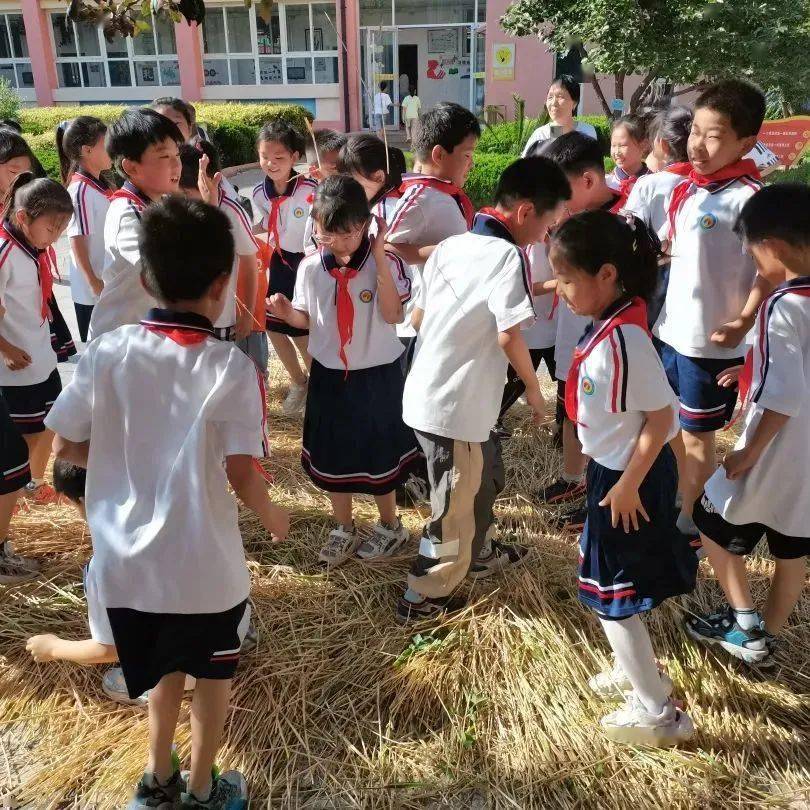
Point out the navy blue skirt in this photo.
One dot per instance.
(283, 270)
(354, 437)
(623, 574)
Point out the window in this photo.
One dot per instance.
(298, 44)
(15, 66)
(84, 58)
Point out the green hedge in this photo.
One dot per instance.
(483, 178)
(503, 138)
(231, 127)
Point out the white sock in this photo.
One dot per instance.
(573, 478)
(37, 482)
(631, 644)
(748, 618)
(412, 596)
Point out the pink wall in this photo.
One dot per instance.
(189, 56)
(351, 40)
(39, 49)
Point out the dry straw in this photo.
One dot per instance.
(339, 707)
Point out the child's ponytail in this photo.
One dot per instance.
(595, 238)
(366, 154)
(36, 196)
(71, 137)
(672, 126)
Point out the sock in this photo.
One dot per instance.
(573, 478)
(748, 618)
(412, 596)
(685, 525)
(37, 482)
(205, 795)
(632, 647)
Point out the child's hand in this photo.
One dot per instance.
(738, 463)
(244, 324)
(625, 505)
(731, 334)
(538, 405)
(42, 647)
(277, 522)
(280, 306)
(15, 359)
(378, 242)
(96, 285)
(730, 377)
(208, 186)
(315, 173)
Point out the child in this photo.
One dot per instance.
(581, 158)
(180, 523)
(411, 107)
(236, 321)
(629, 146)
(381, 103)
(37, 212)
(370, 162)
(632, 557)
(667, 134)
(83, 157)
(708, 312)
(469, 328)
(323, 153)
(177, 111)
(282, 202)
(143, 146)
(761, 488)
(349, 295)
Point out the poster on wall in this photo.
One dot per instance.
(442, 40)
(787, 138)
(503, 61)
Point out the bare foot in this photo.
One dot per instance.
(42, 647)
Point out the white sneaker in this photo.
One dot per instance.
(384, 542)
(634, 725)
(295, 400)
(615, 683)
(340, 546)
(115, 687)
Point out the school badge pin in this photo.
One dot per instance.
(298, 213)
(708, 221)
(366, 296)
(587, 386)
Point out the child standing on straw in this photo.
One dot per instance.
(168, 571)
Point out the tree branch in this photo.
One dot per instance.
(691, 88)
(601, 96)
(639, 92)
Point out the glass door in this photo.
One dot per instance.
(380, 67)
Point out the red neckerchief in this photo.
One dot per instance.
(191, 333)
(627, 181)
(446, 187)
(712, 182)
(45, 261)
(632, 312)
(93, 182)
(798, 286)
(129, 192)
(276, 200)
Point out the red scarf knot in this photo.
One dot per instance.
(345, 308)
(446, 187)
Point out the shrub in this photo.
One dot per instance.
(44, 147)
(483, 177)
(503, 138)
(9, 101)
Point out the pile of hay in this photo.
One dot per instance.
(341, 707)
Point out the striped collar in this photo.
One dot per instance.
(490, 222)
(130, 192)
(801, 281)
(94, 182)
(357, 260)
(621, 175)
(184, 328)
(270, 188)
(596, 329)
(13, 234)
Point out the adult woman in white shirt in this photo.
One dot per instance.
(561, 103)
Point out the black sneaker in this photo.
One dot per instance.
(502, 432)
(562, 491)
(228, 792)
(151, 795)
(495, 558)
(410, 612)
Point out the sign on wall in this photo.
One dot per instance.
(503, 61)
(442, 40)
(787, 138)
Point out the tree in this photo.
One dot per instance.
(686, 42)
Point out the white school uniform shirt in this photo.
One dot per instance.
(620, 380)
(649, 200)
(374, 342)
(710, 274)
(475, 285)
(244, 245)
(91, 201)
(382, 101)
(776, 490)
(123, 299)
(543, 133)
(542, 334)
(422, 216)
(161, 417)
(22, 325)
(411, 105)
(294, 209)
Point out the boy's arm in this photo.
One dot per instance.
(416, 317)
(251, 489)
(514, 347)
(544, 287)
(733, 333)
(739, 462)
(413, 254)
(81, 254)
(72, 452)
(623, 498)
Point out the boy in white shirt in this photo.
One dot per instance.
(469, 330)
(164, 416)
(714, 294)
(411, 107)
(762, 488)
(143, 146)
(381, 103)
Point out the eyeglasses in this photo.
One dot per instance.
(326, 241)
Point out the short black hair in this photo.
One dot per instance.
(573, 152)
(340, 204)
(365, 154)
(446, 125)
(69, 480)
(595, 238)
(327, 140)
(537, 179)
(742, 102)
(780, 211)
(672, 126)
(10, 123)
(13, 145)
(190, 154)
(185, 246)
(570, 85)
(176, 104)
(285, 134)
(135, 131)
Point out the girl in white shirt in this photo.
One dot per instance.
(632, 556)
(561, 104)
(83, 157)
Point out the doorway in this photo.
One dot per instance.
(408, 66)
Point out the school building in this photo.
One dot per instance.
(327, 56)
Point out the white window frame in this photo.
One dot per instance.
(131, 59)
(285, 54)
(14, 61)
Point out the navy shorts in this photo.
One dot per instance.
(742, 540)
(14, 470)
(705, 406)
(283, 271)
(28, 405)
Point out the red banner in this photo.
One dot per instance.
(787, 138)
